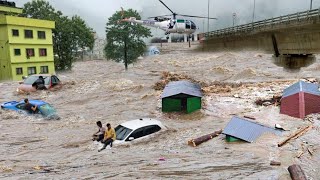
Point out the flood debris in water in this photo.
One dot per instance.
(296, 172)
(275, 163)
(207, 87)
(275, 100)
(295, 135)
(197, 141)
(243, 129)
(167, 77)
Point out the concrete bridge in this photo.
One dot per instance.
(293, 34)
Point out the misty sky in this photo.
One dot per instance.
(97, 12)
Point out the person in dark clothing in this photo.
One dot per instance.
(30, 107)
(99, 135)
(39, 83)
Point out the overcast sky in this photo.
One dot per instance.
(97, 12)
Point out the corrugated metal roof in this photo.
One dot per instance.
(178, 87)
(246, 130)
(301, 86)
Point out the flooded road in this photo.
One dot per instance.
(101, 90)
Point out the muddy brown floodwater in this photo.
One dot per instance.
(34, 148)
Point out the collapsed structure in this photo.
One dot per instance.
(242, 129)
(181, 96)
(300, 99)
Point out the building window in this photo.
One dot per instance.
(15, 32)
(28, 34)
(41, 35)
(30, 52)
(32, 70)
(44, 69)
(17, 52)
(19, 71)
(42, 52)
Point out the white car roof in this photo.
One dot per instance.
(138, 123)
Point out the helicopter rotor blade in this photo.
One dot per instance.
(160, 16)
(167, 7)
(195, 16)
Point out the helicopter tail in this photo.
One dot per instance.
(124, 19)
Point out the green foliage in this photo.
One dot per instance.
(124, 40)
(83, 33)
(69, 35)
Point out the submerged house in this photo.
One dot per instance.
(242, 129)
(181, 96)
(300, 99)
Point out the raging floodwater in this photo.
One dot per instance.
(101, 90)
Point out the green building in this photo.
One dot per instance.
(181, 96)
(25, 44)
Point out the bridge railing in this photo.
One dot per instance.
(267, 23)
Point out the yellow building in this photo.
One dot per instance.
(25, 45)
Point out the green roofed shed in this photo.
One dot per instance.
(181, 96)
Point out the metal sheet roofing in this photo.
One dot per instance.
(246, 130)
(184, 87)
(301, 86)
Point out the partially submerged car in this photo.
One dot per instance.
(152, 50)
(137, 130)
(51, 81)
(43, 108)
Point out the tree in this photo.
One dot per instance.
(83, 34)
(68, 36)
(124, 40)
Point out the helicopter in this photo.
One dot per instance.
(169, 25)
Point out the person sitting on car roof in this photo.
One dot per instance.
(109, 137)
(39, 83)
(99, 135)
(30, 107)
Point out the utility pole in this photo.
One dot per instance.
(254, 8)
(311, 5)
(208, 16)
(233, 18)
(203, 28)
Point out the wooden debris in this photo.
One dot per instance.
(248, 117)
(310, 151)
(275, 100)
(5, 169)
(199, 140)
(300, 134)
(300, 154)
(275, 163)
(295, 135)
(296, 172)
(37, 167)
